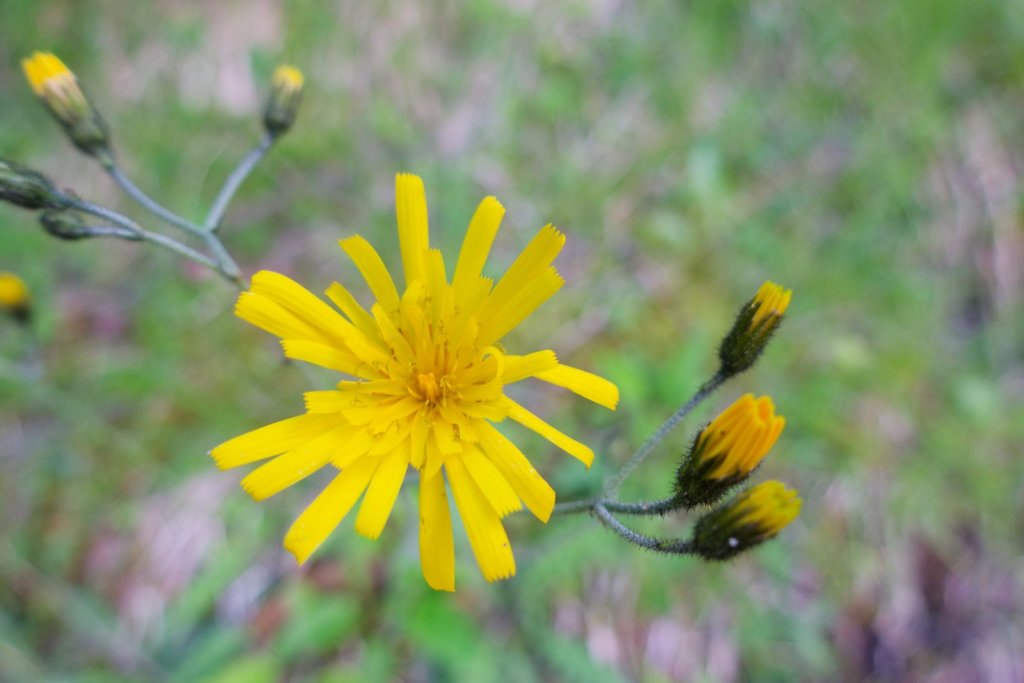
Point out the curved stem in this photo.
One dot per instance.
(573, 506)
(671, 546)
(144, 200)
(226, 264)
(613, 484)
(234, 181)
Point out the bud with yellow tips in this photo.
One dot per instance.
(57, 87)
(283, 103)
(756, 323)
(728, 450)
(14, 297)
(751, 518)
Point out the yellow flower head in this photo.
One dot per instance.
(728, 450)
(14, 297)
(283, 104)
(752, 517)
(754, 326)
(56, 85)
(428, 378)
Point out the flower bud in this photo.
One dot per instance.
(728, 450)
(58, 88)
(26, 188)
(752, 517)
(283, 104)
(754, 326)
(14, 297)
(65, 225)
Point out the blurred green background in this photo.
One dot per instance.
(866, 154)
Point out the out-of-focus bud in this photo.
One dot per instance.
(58, 88)
(14, 297)
(26, 188)
(283, 103)
(754, 326)
(750, 518)
(728, 450)
(65, 225)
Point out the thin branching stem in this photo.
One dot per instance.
(226, 263)
(672, 546)
(125, 228)
(234, 181)
(611, 487)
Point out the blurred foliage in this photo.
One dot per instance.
(868, 155)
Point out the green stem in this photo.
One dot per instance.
(234, 181)
(670, 546)
(613, 484)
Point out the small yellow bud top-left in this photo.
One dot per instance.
(14, 297)
(57, 87)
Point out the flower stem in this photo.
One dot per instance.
(671, 546)
(226, 264)
(234, 181)
(612, 485)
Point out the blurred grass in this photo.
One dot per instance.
(866, 155)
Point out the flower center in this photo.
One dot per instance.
(428, 386)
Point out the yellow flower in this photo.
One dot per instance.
(728, 450)
(14, 297)
(55, 84)
(283, 104)
(429, 378)
(756, 323)
(753, 517)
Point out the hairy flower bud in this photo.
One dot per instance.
(14, 297)
(283, 103)
(754, 326)
(751, 518)
(57, 87)
(728, 450)
(26, 188)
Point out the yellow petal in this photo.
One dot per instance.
(520, 367)
(566, 443)
(487, 536)
(375, 273)
(380, 496)
(271, 317)
(583, 383)
(476, 245)
(302, 303)
(491, 482)
(413, 229)
(331, 357)
(437, 545)
(344, 300)
(272, 439)
(495, 323)
(536, 493)
(318, 520)
(296, 464)
(533, 260)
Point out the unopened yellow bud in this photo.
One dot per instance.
(57, 87)
(283, 103)
(728, 450)
(14, 297)
(754, 326)
(752, 517)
